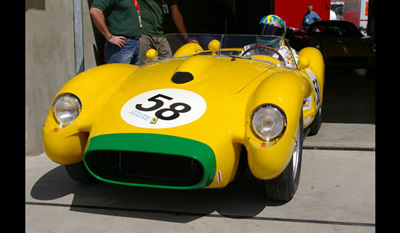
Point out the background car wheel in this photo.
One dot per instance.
(284, 186)
(78, 172)
(316, 124)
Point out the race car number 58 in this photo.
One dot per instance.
(163, 108)
(175, 108)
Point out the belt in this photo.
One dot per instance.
(132, 37)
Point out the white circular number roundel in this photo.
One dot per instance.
(163, 108)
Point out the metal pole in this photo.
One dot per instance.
(78, 30)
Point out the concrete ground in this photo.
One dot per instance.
(336, 192)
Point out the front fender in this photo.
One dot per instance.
(92, 87)
(285, 89)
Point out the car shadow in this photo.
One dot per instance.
(243, 198)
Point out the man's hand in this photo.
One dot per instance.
(119, 41)
(99, 21)
(192, 40)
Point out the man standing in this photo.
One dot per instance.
(117, 21)
(151, 14)
(310, 17)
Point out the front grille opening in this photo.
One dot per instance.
(145, 168)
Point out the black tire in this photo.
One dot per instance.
(285, 186)
(79, 173)
(316, 124)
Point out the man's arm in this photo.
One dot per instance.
(178, 20)
(179, 23)
(317, 17)
(99, 21)
(302, 22)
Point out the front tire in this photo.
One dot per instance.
(285, 186)
(316, 124)
(79, 173)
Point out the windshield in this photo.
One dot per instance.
(269, 49)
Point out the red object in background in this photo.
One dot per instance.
(292, 11)
(353, 16)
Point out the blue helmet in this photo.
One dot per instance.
(272, 25)
(271, 31)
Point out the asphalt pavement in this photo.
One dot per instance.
(336, 191)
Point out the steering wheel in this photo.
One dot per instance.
(265, 47)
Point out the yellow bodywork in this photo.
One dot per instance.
(231, 88)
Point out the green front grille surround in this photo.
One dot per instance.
(152, 144)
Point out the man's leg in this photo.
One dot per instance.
(110, 52)
(136, 55)
(126, 54)
(165, 50)
(146, 43)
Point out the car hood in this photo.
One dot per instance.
(180, 96)
(223, 75)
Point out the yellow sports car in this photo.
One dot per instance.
(186, 122)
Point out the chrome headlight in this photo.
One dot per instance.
(268, 122)
(66, 109)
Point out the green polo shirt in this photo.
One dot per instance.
(151, 12)
(120, 16)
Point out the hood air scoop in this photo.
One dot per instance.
(196, 66)
(182, 77)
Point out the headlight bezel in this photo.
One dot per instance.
(74, 110)
(254, 123)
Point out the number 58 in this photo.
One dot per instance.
(175, 108)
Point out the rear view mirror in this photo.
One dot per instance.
(151, 55)
(213, 46)
(304, 62)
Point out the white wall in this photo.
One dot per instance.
(49, 59)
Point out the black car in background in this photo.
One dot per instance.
(340, 42)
